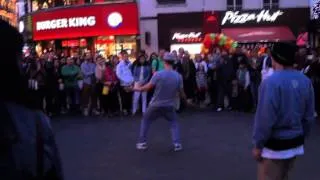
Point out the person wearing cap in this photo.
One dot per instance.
(167, 84)
(283, 117)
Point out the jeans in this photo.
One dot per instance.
(136, 98)
(110, 103)
(152, 114)
(224, 89)
(126, 99)
(74, 94)
(89, 95)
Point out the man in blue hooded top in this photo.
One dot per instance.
(284, 114)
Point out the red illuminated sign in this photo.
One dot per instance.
(191, 37)
(86, 21)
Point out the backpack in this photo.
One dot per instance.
(9, 136)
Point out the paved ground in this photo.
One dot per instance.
(217, 147)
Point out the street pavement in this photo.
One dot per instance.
(217, 147)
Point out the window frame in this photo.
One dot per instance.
(270, 4)
(166, 2)
(234, 6)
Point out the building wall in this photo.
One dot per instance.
(149, 10)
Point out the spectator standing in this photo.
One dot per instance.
(71, 73)
(109, 102)
(202, 84)
(100, 69)
(88, 68)
(243, 79)
(255, 79)
(188, 74)
(125, 76)
(51, 87)
(141, 74)
(266, 65)
(157, 63)
(225, 76)
(199, 61)
(37, 82)
(213, 64)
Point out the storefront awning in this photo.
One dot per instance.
(261, 34)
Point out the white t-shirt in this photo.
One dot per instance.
(286, 154)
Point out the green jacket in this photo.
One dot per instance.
(71, 74)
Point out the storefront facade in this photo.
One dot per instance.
(264, 26)
(247, 27)
(314, 25)
(185, 30)
(106, 29)
(9, 12)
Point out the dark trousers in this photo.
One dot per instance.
(38, 96)
(254, 89)
(243, 100)
(126, 99)
(213, 91)
(189, 88)
(201, 94)
(61, 102)
(224, 89)
(90, 95)
(51, 99)
(110, 102)
(74, 94)
(316, 86)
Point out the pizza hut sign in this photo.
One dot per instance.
(235, 17)
(191, 37)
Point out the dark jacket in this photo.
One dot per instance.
(225, 71)
(20, 147)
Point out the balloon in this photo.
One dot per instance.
(213, 36)
(207, 44)
(222, 40)
(235, 44)
(228, 46)
(207, 38)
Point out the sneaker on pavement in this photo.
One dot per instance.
(219, 109)
(86, 112)
(96, 112)
(141, 146)
(177, 147)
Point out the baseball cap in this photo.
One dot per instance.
(168, 57)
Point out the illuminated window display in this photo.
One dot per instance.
(8, 11)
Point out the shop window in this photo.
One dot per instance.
(270, 4)
(171, 1)
(42, 4)
(71, 2)
(234, 5)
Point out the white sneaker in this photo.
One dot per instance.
(86, 112)
(96, 112)
(177, 147)
(219, 109)
(141, 146)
